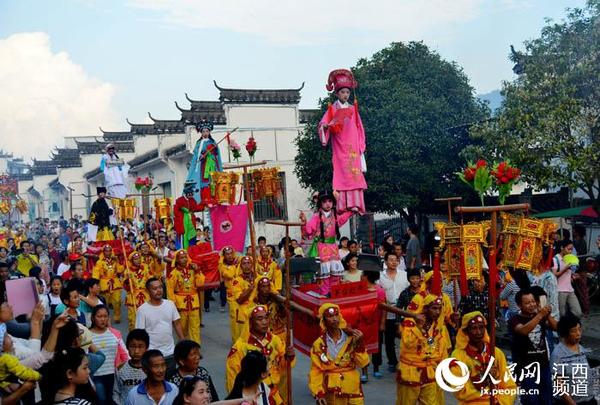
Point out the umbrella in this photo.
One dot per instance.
(583, 211)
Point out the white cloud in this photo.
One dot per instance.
(46, 96)
(310, 21)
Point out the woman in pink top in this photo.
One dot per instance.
(567, 300)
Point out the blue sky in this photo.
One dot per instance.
(131, 57)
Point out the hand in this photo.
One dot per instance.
(302, 217)
(358, 335)
(60, 321)
(28, 386)
(544, 312)
(321, 401)
(38, 313)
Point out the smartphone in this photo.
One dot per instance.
(543, 301)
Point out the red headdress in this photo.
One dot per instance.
(339, 79)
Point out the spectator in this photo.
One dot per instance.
(102, 336)
(131, 374)
(249, 381)
(195, 391)
(353, 247)
(68, 380)
(343, 247)
(579, 243)
(529, 346)
(70, 298)
(567, 300)
(26, 260)
(413, 248)
(406, 296)
(159, 317)
(45, 263)
(570, 361)
(351, 273)
(478, 297)
(64, 264)
(154, 389)
(399, 250)
(54, 294)
(393, 282)
(548, 281)
(187, 357)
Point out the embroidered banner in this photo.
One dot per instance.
(230, 223)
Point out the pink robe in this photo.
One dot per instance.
(348, 147)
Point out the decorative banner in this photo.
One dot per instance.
(230, 223)
(473, 260)
(360, 312)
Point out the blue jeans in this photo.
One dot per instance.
(104, 388)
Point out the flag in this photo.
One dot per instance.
(229, 225)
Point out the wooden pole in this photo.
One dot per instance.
(288, 298)
(492, 255)
(449, 200)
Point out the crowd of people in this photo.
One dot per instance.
(70, 348)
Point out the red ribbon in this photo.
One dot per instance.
(548, 263)
(464, 286)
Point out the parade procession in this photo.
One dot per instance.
(409, 240)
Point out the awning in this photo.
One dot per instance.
(583, 211)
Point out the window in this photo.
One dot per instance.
(272, 208)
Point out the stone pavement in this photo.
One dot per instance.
(216, 343)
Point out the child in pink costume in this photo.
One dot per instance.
(342, 125)
(324, 227)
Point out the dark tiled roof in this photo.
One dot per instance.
(98, 147)
(168, 126)
(256, 96)
(43, 167)
(64, 157)
(117, 135)
(153, 154)
(199, 110)
(175, 149)
(141, 129)
(307, 115)
(22, 176)
(92, 173)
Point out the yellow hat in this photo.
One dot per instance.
(250, 313)
(180, 251)
(432, 299)
(462, 339)
(330, 308)
(134, 254)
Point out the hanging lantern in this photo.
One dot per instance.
(163, 208)
(126, 208)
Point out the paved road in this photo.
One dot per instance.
(216, 343)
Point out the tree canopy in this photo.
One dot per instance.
(409, 98)
(549, 123)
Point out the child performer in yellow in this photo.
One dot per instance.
(150, 260)
(135, 285)
(266, 267)
(187, 283)
(423, 345)
(256, 336)
(336, 358)
(239, 296)
(109, 272)
(473, 349)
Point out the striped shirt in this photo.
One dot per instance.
(126, 378)
(107, 343)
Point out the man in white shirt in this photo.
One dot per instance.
(393, 281)
(159, 317)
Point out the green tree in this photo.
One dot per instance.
(549, 123)
(408, 99)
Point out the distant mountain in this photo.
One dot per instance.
(493, 98)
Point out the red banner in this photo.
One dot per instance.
(359, 311)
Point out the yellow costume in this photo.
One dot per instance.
(269, 269)
(420, 353)
(24, 264)
(228, 272)
(271, 346)
(135, 284)
(238, 311)
(337, 379)
(109, 272)
(186, 283)
(477, 364)
(416, 305)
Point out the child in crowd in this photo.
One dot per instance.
(131, 374)
(54, 294)
(70, 299)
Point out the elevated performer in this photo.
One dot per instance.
(100, 216)
(324, 228)
(115, 171)
(206, 160)
(184, 218)
(342, 125)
